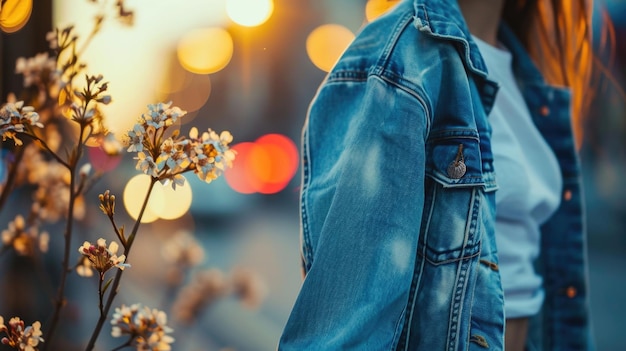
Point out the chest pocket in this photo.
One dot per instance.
(457, 219)
(456, 198)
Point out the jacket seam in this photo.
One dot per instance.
(383, 59)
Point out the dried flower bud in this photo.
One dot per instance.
(107, 203)
(106, 99)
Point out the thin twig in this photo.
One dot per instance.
(126, 344)
(119, 234)
(59, 302)
(44, 278)
(118, 276)
(101, 294)
(60, 298)
(11, 178)
(47, 148)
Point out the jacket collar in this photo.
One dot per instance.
(443, 19)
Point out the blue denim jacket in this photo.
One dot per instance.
(397, 202)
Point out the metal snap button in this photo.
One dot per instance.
(457, 168)
(544, 111)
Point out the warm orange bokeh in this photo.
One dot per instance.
(239, 177)
(194, 96)
(175, 202)
(326, 43)
(375, 8)
(15, 14)
(265, 166)
(205, 50)
(134, 195)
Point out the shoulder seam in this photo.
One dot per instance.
(400, 26)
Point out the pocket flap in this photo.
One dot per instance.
(454, 160)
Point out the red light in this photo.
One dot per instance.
(265, 166)
(239, 177)
(101, 161)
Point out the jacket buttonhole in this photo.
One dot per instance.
(480, 340)
(571, 292)
(492, 265)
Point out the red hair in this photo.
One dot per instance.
(557, 34)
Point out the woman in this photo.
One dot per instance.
(434, 107)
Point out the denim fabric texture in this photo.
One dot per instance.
(398, 204)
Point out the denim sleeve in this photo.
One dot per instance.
(361, 207)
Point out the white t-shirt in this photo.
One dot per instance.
(530, 184)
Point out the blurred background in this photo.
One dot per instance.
(251, 67)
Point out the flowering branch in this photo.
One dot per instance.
(146, 327)
(84, 116)
(19, 336)
(118, 276)
(162, 155)
(60, 298)
(103, 259)
(46, 83)
(165, 160)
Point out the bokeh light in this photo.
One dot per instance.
(175, 202)
(176, 79)
(142, 52)
(194, 96)
(326, 43)
(205, 50)
(280, 166)
(249, 13)
(101, 161)
(238, 177)
(375, 8)
(15, 14)
(265, 166)
(135, 194)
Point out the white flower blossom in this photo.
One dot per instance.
(19, 336)
(207, 155)
(146, 164)
(135, 138)
(24, 240)
(14, 117)
(147, 327)
(37, 70)
(101, 257)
